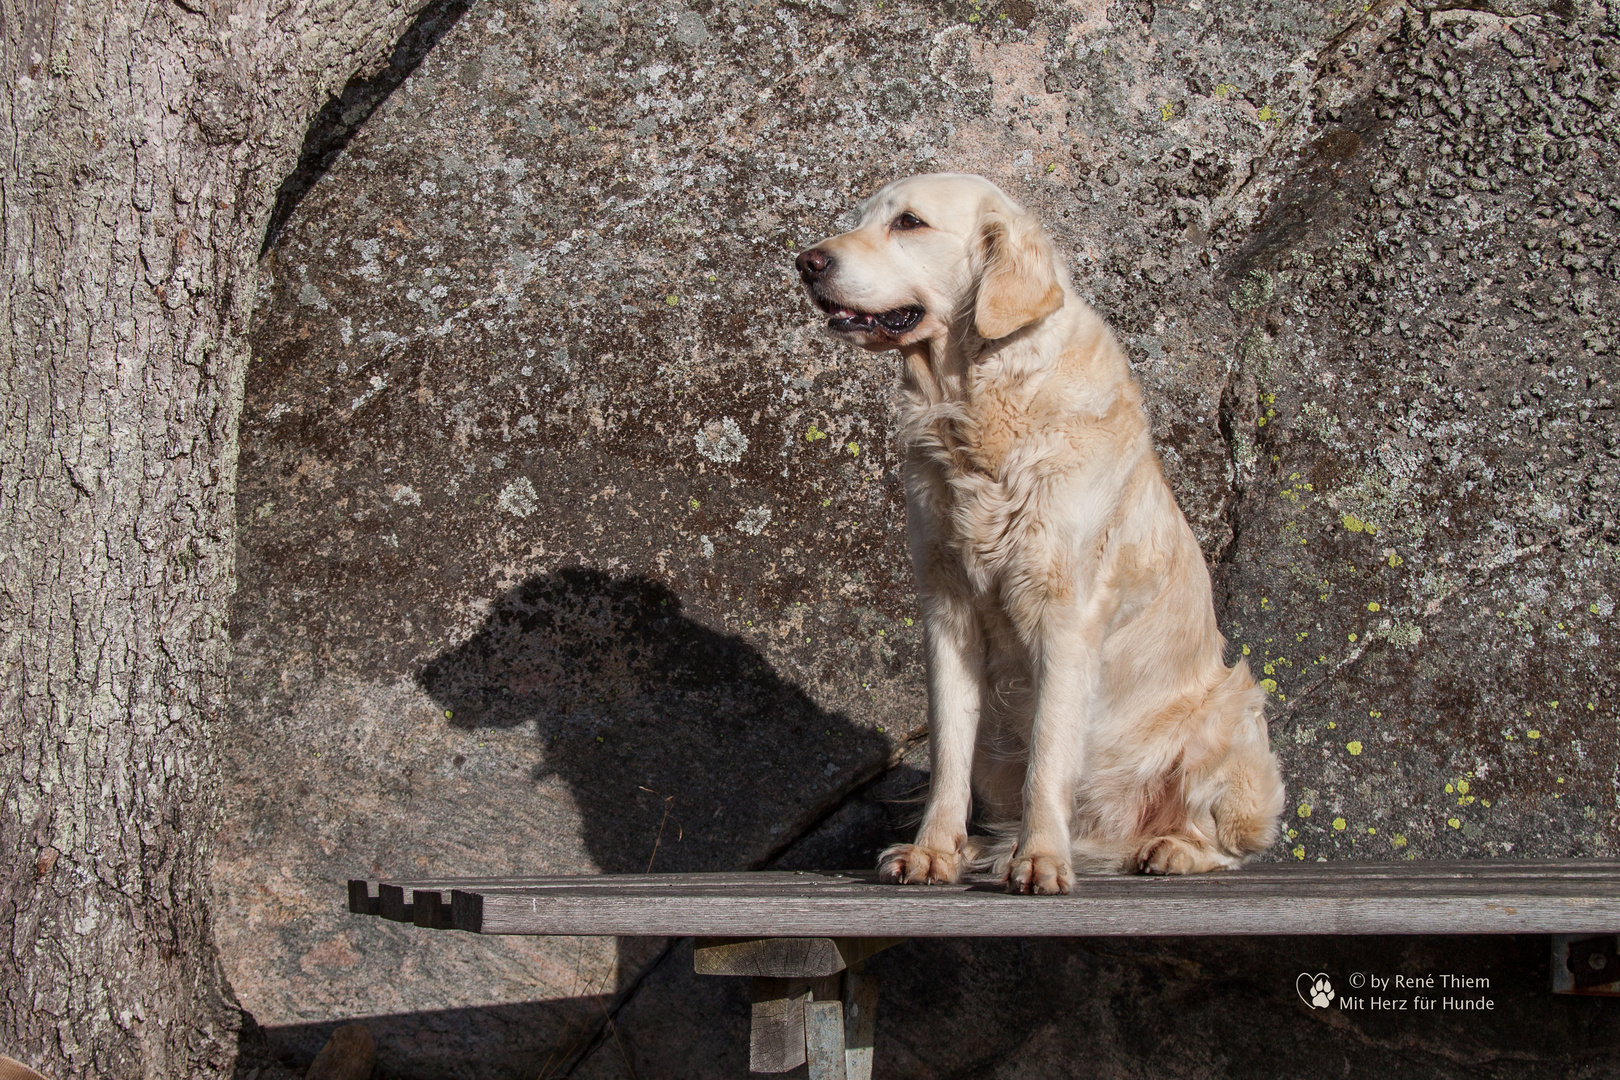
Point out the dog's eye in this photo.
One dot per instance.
(908, 221)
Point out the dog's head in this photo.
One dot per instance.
(933, 253)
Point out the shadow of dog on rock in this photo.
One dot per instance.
(682, 746)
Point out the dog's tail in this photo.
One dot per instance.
(1243, 791)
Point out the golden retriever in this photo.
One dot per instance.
(1077, 683)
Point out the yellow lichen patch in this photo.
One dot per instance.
(1354, 747)
(1373, 606)
(1299, 853)
(1397, 840)
(1533, 734)
(1454, 823)
(1462, 787)
(1304, 810)
(1339, 824)
(1269, 685)
(814, 433)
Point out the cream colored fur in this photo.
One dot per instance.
(1077, 687)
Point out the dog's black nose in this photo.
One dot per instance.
(813, 263)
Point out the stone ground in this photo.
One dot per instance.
(569, 542)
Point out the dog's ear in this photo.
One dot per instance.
(1017, 284)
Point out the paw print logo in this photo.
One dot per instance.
(1314, 990)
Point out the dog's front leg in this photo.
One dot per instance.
(955, 694)
(1065, 680)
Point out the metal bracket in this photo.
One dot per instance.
(1586, 964)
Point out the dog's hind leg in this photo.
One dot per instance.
(1240, 819)
(1181, 854)
(1251, 800)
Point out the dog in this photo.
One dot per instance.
(1078, 693)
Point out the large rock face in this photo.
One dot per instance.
(569, 542)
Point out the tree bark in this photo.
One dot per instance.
(144, 143)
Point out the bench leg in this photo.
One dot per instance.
(824, 1039)
(860, 1023)
(812, 1000)
(776, 1038)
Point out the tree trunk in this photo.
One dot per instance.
(144, 143)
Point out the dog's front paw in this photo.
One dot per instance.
(1042, 875)
(913, 864)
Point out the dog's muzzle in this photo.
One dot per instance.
(814, 265)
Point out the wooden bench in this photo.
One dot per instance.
(804, 937)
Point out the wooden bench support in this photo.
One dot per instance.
(824, 1040)
(812, 1000)
(776, 1025)
(860, 1023)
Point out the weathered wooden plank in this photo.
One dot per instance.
(1292, 873)
(783, 958)
(824, 1039)
(775, 958)
(776, 1025)
(936, 914)
(1577, 897)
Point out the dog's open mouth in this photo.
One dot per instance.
(892, 323)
